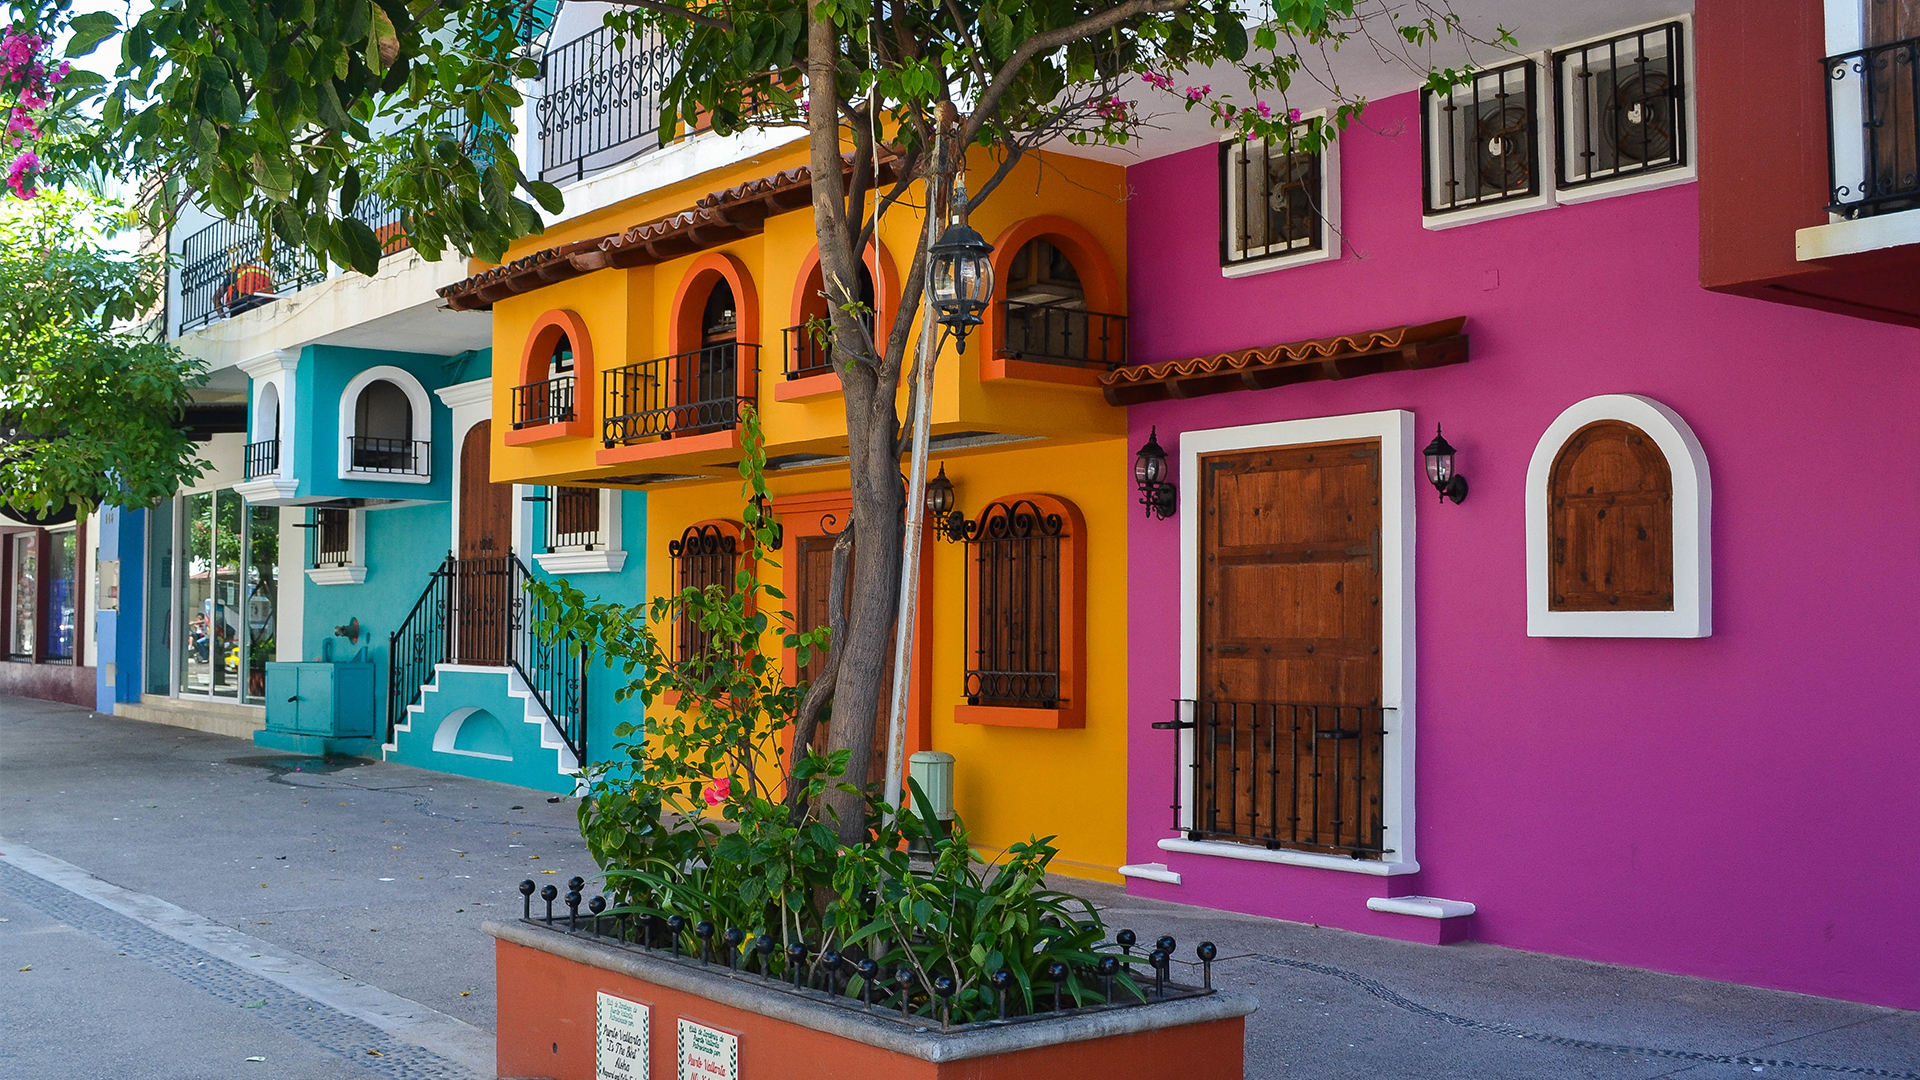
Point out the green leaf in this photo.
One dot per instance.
(89, 31)
(363, 247)
(547, 195)
(274, 177)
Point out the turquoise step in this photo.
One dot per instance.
(484, 722)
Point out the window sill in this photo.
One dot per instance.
(1009, 367)
(1009, 716)
(581, 562)
(337, 575)
(1249, 853)
(809, 388)
(385, 477)
(1628, 185)
(533, 434)
(1489, 211)
(1876, 233)
(268, 490)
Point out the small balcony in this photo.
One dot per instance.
(228, 268)
(692, 393)
(547, 402)
(1873, 129)
(600, 104)
(808, 352)
(1062, 335)
(263, 459)
(388, 457)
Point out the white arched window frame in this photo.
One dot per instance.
(1692, 614)
(275, 415)
(421, 431)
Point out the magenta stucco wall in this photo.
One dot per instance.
(1742, 807)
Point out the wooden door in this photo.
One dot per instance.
(811, 611)
(1893, 73)
(484, 572)
(1288, 724)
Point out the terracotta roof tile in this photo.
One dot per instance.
(1397, 348)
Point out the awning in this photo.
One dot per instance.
(1399, 348)
(719, 218)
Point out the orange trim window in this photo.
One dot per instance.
(707, 553)
(1059, 311)
(554, 396)
(1026, 614)
(806, 360)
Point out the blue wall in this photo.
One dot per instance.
(314, 457)
(629, 586)
(118, 634)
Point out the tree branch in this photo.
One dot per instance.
(1040, 44)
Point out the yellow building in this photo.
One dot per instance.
(627, 339)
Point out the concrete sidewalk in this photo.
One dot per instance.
(383, 873)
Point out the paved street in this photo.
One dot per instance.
(174, 904)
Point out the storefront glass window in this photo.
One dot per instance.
(63, 586)
(263, 595)
(160, 598)
(24, 594)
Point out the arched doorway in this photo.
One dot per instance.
(485, 567)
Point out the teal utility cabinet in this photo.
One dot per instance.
(324, 709)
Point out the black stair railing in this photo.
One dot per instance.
(478, 611)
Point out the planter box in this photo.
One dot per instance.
(550, 984)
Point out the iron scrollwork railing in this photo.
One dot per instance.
(1873, 129)
(600, 104)
(1058, 334)
(685, 394)
(1013, 606)
(478, 611)
(228, 267)
(1282, 775)
(704, 555)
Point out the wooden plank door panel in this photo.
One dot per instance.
(483, 576)
(812, 610)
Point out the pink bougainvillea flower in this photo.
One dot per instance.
(1195, 93)
(717, 792)
(21, 176)
(1293, 114)
(1262, 108)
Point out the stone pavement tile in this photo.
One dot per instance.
(87, 1010)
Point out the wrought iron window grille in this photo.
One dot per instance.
(1481, 142)
(370, 454)
(331, 538)
(1873, 129)
(263, 459)
(573, 519)
(1013, 606)
(689, 393)
(1281, 775)
(704, 556)
(1062, 333)
(1620, 106)
(549, 401)
(1272, 201)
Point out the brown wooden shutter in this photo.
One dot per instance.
(1610, 522)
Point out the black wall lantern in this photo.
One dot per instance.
(1151, 471)
(1439, 455)
(962, 279)
(948, 523)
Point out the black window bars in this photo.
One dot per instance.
(1481, 142)
(1013, 606)
(332, 532)
(404, 457)
(549, 401)
(1620, 106)
(1271, 201)
(705, 555)
(263, 458)
(1063, 334)
(1873, 129)
(573, 519)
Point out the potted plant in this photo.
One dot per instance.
(736, 927)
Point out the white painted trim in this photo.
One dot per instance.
(517, 687)
(1151, 871)
(581, 562)
(422, 422)
(276, 370)
(275, 490)
(1665, 178)
(1282, 857)
(337, 575)
(1422, 907)
(1842, 237)
(448, 733)
(659, 169)
(1332, 240)
(460, 395)
(1543, 91)
(1394, 429)
(471, 402)
(1692, 614)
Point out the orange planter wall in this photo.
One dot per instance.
(546, 1028)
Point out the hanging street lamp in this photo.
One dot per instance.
(962, 279)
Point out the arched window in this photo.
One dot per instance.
(386, 422)
(1618, 503)
(556, 377)
(263, 450)
(1026, 650)
(706, 554)
(809, 343)
(1057, 314)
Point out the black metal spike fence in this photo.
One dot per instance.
(1128, 973)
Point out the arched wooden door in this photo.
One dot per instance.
(485, 569)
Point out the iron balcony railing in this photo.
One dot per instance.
(808, 352)
(1282, 775)
(1873, 129)
(263, 458)
(228, 267)
(1053, 333)
(685, 394)
(546, 402)
(477, 611)
(408, 457)
(600, 103)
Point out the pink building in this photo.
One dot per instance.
(1646, 695)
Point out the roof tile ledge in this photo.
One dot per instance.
(1398, 348)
